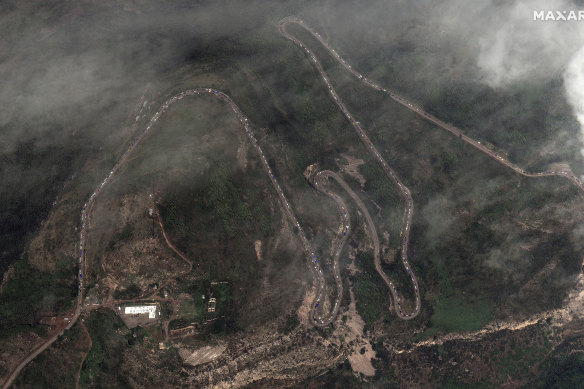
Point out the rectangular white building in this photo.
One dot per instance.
(211, 306)
(141, 309)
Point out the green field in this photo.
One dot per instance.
(192, 308)
(371, 294)
(457, 314)
(109, 337)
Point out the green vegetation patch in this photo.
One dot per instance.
(191, 308)
(371, 296)
(518, 359)
(56, 367)
(458, 314)
(290, 324)
(109, 338)
(220, 292)
(451, 383)
(29, 290)
(153, 334)
(561, 372)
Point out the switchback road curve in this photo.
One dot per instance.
(373, 233)
(318, 182)
(87, 207)
(406, 196)
(307, 247)
(403, 190)
(406, 103)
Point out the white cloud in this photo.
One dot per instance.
(514, 47)
(574, 85)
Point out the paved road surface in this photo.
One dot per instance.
(409, 105)
(319, 182)
(87, 207)
(403, 190)
(313, 265)
(375, 238)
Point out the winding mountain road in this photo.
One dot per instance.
(319, 182)
(87, 207)
(373, 233)
(403, 190)
(406, 103)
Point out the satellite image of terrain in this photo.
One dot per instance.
(292, 194)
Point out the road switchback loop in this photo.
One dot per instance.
(88, 206)
(403, 190)
(453, 130)
(319, 181)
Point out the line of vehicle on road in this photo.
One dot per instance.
(318, 182)
(414, 108)
(417, 109)
(403, 190)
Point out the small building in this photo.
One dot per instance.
(142, 309)
(211, 306)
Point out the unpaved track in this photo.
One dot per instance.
(175, 250)
(314, 267)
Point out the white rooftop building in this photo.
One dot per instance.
(211, 306)
(141, 309)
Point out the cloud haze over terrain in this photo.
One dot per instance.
(499, 40)
(71, 75)
(574, 83)
(494, 43)
(513, 47)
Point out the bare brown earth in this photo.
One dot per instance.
(257, 245)
(201, 355)
(304, 309)
(246, 362)
(264, 356)
(352, 169)
(6, 276)
(267, 355)
(360, 362)
(147, 259)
